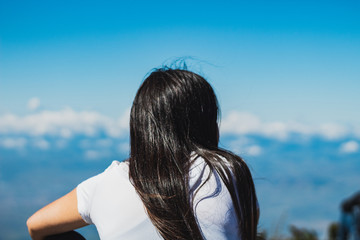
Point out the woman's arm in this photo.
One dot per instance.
(59, 216)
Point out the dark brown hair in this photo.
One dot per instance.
(175, 114)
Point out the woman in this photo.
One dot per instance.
(177, 183)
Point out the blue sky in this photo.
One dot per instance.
(280, 60)
(286, 74)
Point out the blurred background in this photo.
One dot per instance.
(286, 74)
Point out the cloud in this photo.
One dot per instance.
(21, 142)
(33, 104)
(247, 123)
(243, 123)
(333, 131)
(13, 143)
(349, 147)
(239, 144)
(104, 143)
(254, 150)
(41, 144)
(246, 146)
(64, 123)
(95, 154)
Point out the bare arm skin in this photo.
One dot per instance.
(59, 216)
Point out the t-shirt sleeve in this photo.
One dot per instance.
(85, 192)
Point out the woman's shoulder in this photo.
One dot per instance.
(199, 164)
(203, 177)
(118, 167)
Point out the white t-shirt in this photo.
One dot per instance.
(110, 201)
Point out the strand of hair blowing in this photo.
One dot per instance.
(174, 114)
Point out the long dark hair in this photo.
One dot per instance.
(174, 114)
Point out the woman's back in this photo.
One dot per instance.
(174, 114)
(110, 201)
